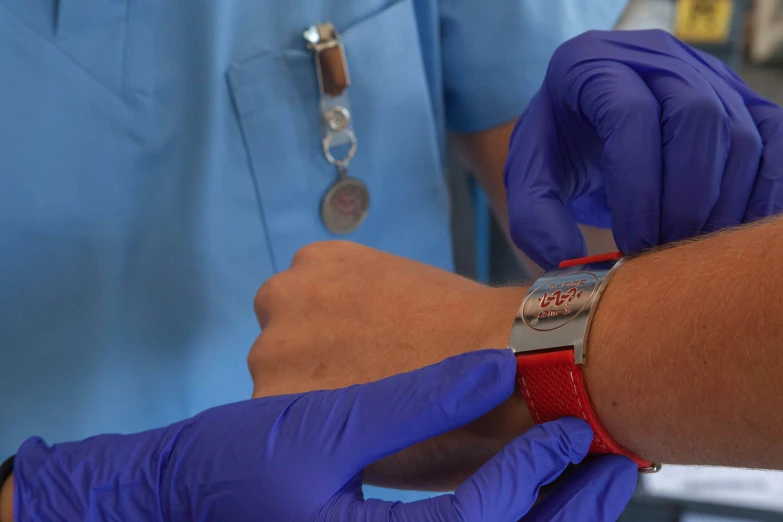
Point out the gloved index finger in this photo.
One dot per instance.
(368, 422)
(625, 115)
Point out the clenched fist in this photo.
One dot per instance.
(346, 314)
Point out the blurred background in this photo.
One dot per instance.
(748, 36)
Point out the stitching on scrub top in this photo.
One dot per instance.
(119, 96)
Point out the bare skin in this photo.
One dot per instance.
(379, 328)
(681, 361)
(7, 500)
(682, 358)
(485, 151)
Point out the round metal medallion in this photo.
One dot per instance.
(558, 301)
(345, 205)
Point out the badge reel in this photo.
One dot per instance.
(345, 205)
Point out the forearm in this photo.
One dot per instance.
(7, 500)
(683, 360)
(684, 356)
(652, 363)
(682, 363)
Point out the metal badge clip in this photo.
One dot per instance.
(346, 203)
(330, 62)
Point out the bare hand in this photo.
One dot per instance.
(346, 314)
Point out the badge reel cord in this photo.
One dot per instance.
(345, 204)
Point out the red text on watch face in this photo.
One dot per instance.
(556, 302)
(559, 298)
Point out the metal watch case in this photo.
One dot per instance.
(557, 310)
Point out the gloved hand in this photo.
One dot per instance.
(300, 457)
(637, 131)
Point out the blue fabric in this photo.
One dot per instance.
(250, 460)
(637, 131)
(159, 159)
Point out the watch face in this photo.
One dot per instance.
(558, 301)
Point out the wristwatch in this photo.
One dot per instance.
(548, 338)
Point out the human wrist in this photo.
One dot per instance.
(498, 316)
(512, 417)
(7, 500)
(608, 369)
(551, 340)
(443, 463)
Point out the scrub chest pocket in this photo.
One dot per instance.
(276, 96)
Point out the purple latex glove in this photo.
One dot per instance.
(300, 457)
(637, 131)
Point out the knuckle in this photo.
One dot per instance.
(342, 244)
(747, 139)
(640, 102)
(701, 105)
(593, 35)
(574, 48)
(254, 356)
(311, 251)
(263, 354)
(567, 51)
(272, 369)
(304, 253)
(322, 249)
(262, 297)
(581, 39)
(267, 293)
(662, 37)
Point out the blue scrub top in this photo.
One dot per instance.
(159, 159)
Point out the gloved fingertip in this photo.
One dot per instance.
(490, 369)
(548, 248)
(620, 475)
(576, 434)
(577, 249)
(468, 385)
(542, 226)
(627, 471)
(767, 200)
(499, 362)
(633, 243)
(600, 487)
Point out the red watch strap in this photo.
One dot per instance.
(610, 256)
(553, 387)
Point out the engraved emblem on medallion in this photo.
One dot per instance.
(558, 301)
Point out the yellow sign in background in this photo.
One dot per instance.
(704, 21)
